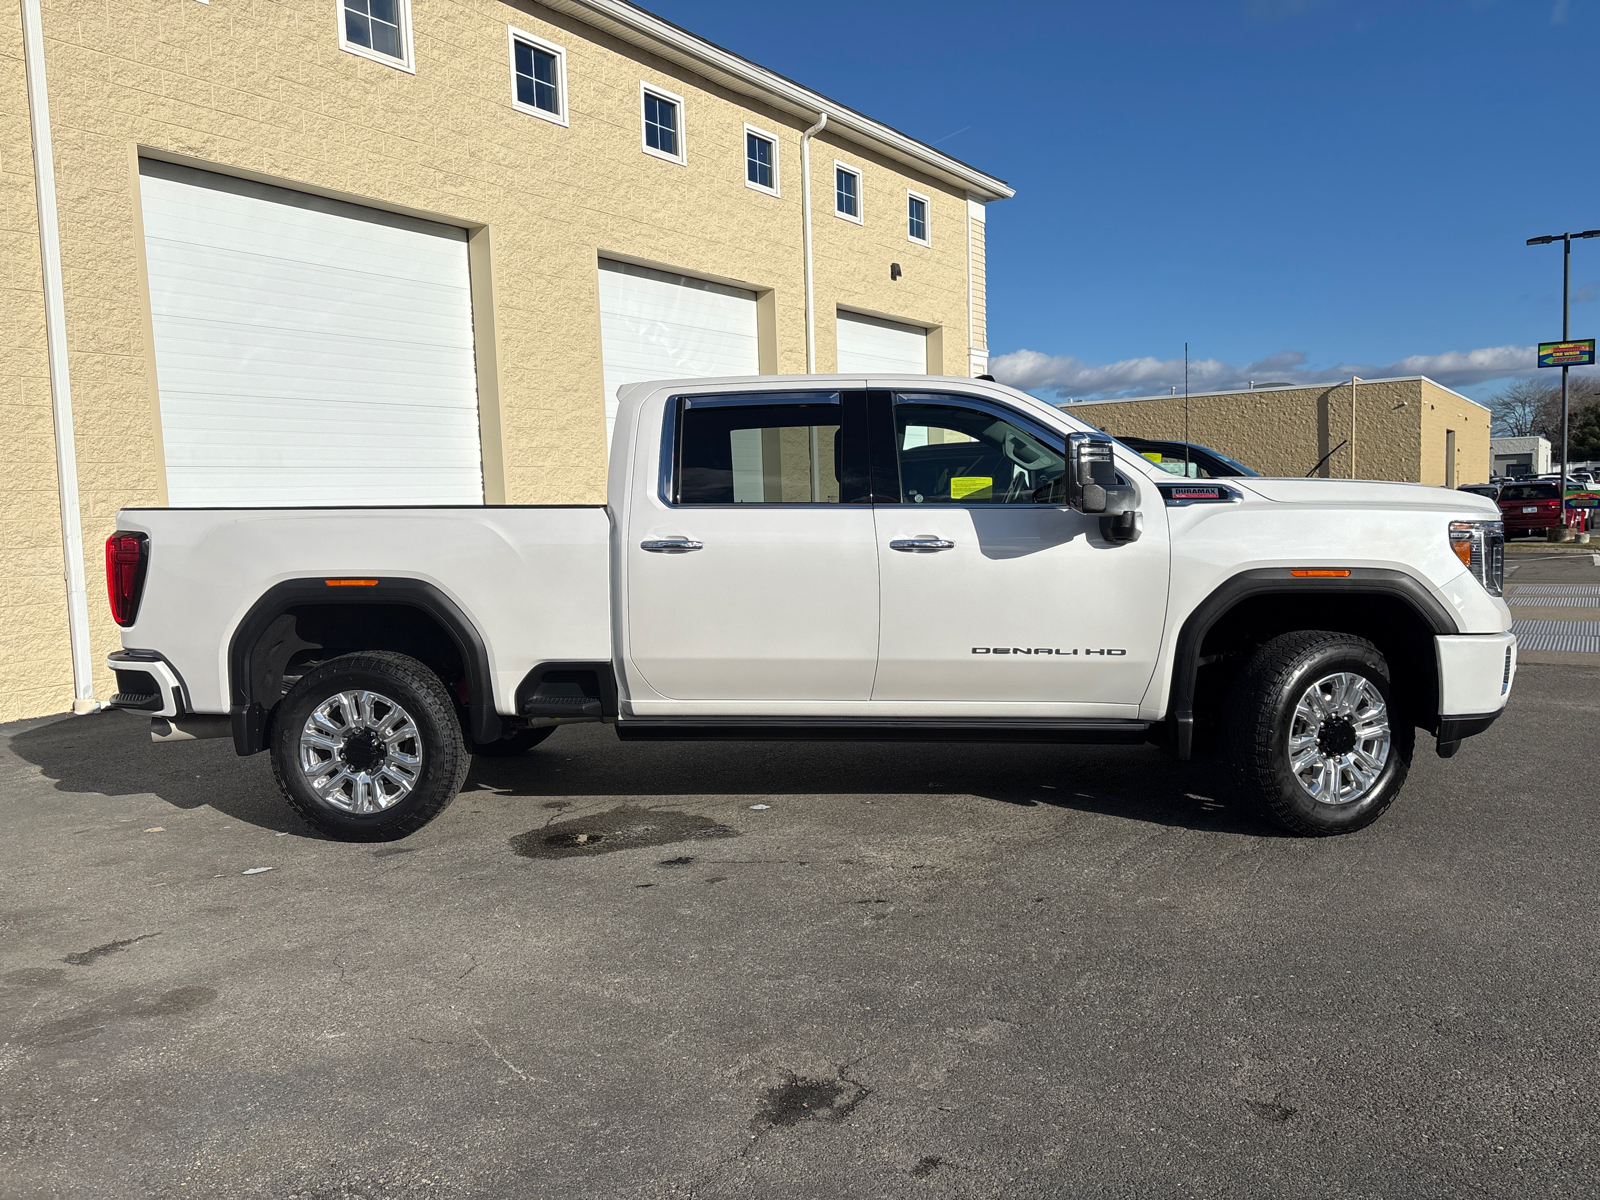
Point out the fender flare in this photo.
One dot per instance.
(253, 676)
(1265, 581)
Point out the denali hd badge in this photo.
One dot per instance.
(1042, 650)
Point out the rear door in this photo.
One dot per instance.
(755, 578)
(993, 590)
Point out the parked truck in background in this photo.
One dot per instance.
(896, 557)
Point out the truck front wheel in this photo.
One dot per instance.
(1315, 740)
(367, 747)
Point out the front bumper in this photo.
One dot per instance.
(1476, 671)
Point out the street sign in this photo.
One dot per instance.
(1567, 354)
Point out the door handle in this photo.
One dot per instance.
(671, 545)
(922, 545)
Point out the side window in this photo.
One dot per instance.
(784, 452)
(951, 454)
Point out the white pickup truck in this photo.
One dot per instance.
(829, 557)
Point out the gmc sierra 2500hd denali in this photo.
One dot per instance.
(894, 557)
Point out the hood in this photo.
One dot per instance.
(1367, 493)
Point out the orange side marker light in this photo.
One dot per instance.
(1318, 573)
(351, 582)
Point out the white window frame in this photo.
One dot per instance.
(771, 140)
(860, 217)
(927, 218)
(682, 156)
(408, 64)
(515, 35)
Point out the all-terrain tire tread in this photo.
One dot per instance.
(450, 759)
(1251, 705)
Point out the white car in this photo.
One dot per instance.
(895, 557)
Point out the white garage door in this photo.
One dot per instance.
(307, 351)
(655, 325)
(873, 344)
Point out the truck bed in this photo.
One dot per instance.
(533, 579)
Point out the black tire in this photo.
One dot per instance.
(518, 741)
(1261, 709)
(437, 743)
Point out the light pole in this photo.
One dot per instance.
(1566, 303)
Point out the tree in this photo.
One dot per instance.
(1526, 407)
(1586, 435)
(1517, 409)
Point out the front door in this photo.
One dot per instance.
(756, 577)
(994, 591)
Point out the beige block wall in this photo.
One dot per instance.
(261, 89)
(852, 262)
(33, 628)
(1443, 412)
(1285, 431)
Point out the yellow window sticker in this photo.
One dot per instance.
(980, 487)
(1153, 455)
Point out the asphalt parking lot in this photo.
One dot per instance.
(944, 971)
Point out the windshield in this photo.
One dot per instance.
(1187, 459)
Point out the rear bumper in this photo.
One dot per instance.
(1476, 671)
(147, 683)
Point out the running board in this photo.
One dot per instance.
(881, 729)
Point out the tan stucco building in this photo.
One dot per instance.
(1410, 429)
(599, 196)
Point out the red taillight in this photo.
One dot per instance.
(126, 555)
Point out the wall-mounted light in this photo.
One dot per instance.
(894, 270)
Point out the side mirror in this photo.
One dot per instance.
(1092, 487)
(1090, 471)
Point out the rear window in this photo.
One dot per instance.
(1528, 491)
(787, 452)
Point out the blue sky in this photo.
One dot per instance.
(1298, 188)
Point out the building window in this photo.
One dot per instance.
(663, 124)
(377, 29)
(538, 77)
(760, 160)
(847, 192)
(917, 218)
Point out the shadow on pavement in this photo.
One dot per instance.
(111, 754)
(1138, 783)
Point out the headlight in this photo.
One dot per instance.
(1481, 547)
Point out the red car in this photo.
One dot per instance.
(1530, 508)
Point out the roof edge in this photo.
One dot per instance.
(644, 28)
(1267, 391)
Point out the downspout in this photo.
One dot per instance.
(55, 329)
(805, 204)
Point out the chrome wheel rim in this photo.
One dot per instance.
(1339, 739)
(360, 752)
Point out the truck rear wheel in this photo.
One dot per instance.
(368, 748)
(1315, 740)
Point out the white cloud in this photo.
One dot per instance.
(1069, 377)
